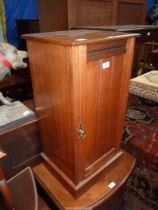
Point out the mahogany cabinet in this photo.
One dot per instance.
(80, 83)
(55, 15)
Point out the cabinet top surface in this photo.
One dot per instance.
(78, 37)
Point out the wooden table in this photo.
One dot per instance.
(100, 196)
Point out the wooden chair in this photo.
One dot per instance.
(20, 191)
(148, 57)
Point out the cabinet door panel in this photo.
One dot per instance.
(114, 101)
(100, 118)
(89, 112)
(103, 106)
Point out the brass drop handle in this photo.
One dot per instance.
(81, 131)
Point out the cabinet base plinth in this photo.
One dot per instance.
(95, 173)
(111, 182)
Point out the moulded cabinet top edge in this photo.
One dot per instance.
(78, 37)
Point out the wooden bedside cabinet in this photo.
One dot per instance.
(80, 83)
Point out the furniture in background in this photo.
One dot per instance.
(57, 15)
(19, 192)
(26, 26)
(21, 142)
(145, 85)
(17, 86)
(146, 47)
(80, 78)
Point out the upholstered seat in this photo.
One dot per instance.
(145, 85)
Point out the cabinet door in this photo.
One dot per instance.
(100, 113)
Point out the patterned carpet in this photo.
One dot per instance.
(141, 139)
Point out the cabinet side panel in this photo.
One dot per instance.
(51, 86)
(103, 107)
(89, 111)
